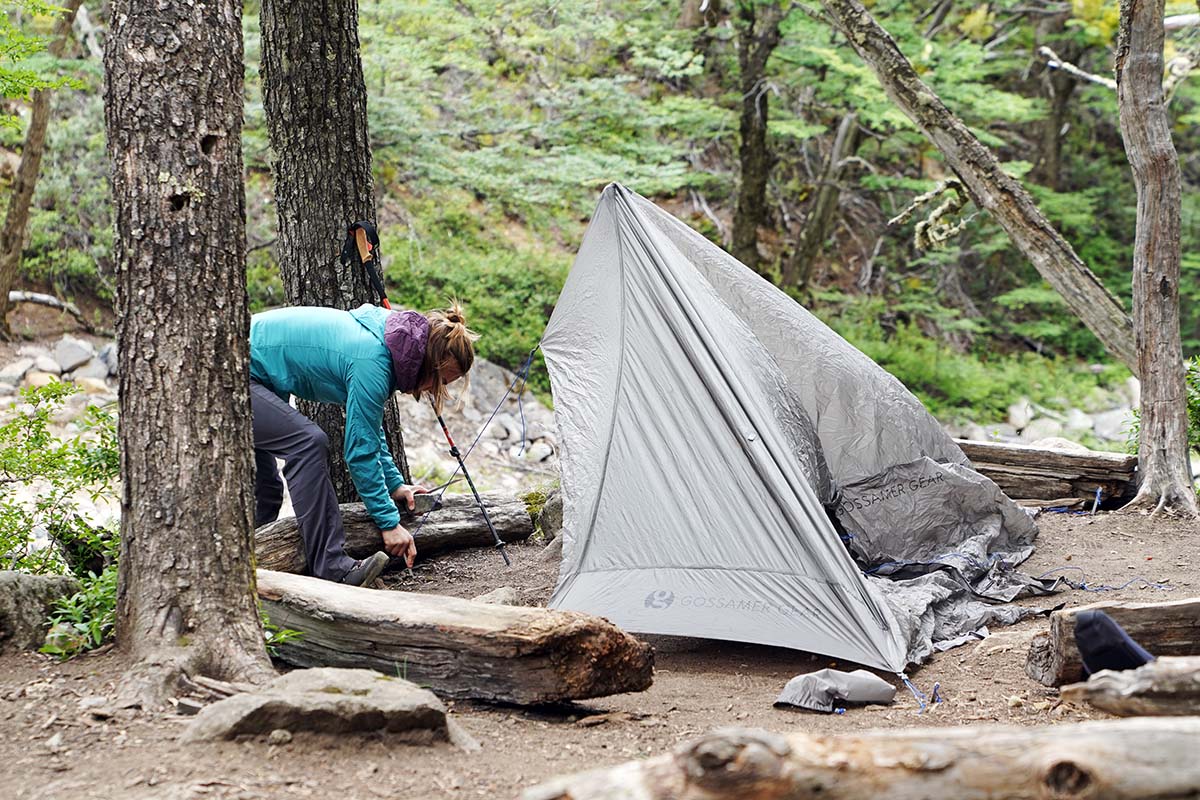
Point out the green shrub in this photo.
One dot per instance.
(86, 619)
(51, 473)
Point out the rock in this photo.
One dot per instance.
(1059, 443)
(1132, 389)
(1113, 425)
(279, 736)
(71, 352)
(505, 427)
(1002, 432)
(93, 385)
(1020, 413)
(537, 430)
(1041, 428)
(38, 378)
(108, 354)
(538, 451)
(47, 364)
(550, 518)
(501, 596)
(94, 368)
(14, 372)
(25, 605)
(976, 433)
(1077, 421)
(331, 700)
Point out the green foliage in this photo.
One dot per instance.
(1192, 389)
(955, 385)
(274, 636)
(20, 71)
(43, 477)
(86, 619)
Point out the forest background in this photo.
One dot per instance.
(494, 127)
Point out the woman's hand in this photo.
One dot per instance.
(399, 543)
(404, 494)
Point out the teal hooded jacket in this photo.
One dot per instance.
(334, 356)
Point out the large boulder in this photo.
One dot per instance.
(331, 700)
(71, 352)
(25, 605)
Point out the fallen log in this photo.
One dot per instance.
(1164, 687)
(457, 648)
(1025, 472)
(1164, 629)
(456, 524)
(1115, 760)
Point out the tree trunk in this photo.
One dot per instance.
(758, 34)
(1168, 687)
(1114, 760)
(816, 227)
(457, 524)
(1057, 87)
(173, 114)
(16, 219)
(316, 106)
(457, 648)
(1164, 629)
(1166, 480)
(990, 188)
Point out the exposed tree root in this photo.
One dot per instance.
(153, 679)
(1171, 500)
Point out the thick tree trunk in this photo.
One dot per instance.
(16, 218)
(1114, 760)
(173, 113)
(1164, 629)
(457, 648)
(1166, 480)
(758, 35)
(1167, 687)
(316, 106)
(817, 224)
(457, 524)
(990, 188)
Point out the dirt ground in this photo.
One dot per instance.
(53, 745)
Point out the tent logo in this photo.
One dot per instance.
(660, 598)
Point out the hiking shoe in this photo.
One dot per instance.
(366, 570)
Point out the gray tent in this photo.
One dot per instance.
(711, 431)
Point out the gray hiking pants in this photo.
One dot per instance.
(282, 432)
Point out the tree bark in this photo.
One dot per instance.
(316, 106)
(758, 35)
(457, 524)
(1164, 629)
(1167, 687)
(457, 648)
(16, 218)
(990, 188)
(1114, 760)
(173, 114)
(1166, 480)
(816, 227)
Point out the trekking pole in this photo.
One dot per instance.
(363, 238)
(463, 466)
